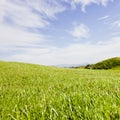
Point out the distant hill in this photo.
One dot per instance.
(112, 63)
(71, 65)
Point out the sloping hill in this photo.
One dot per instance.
(34, 92)
(106, 64)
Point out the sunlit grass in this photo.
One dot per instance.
(31, 92)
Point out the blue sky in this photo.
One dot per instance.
(52, 32)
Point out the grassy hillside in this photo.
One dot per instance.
(116, 68)
(32, 92)
(106, 64)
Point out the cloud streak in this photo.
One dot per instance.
(85, 3)
(74, 53)
(29, 13)
(103, 18)
(13, 36)
(17, 18)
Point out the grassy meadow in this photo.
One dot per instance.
(33, 92)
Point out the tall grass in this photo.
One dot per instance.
(31, 92)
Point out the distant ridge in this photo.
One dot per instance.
(106, 64)
(70, 65)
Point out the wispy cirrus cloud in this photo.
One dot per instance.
(18, 17)
(104, 17)
(29, 13)
(80, 31)
(113, 23)
(85, 3)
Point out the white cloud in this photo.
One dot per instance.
(72, 54)
(16, 17)
(85, 3)
(116, 24)
(112, 22)
(80, 31)
(29, 13)
(103, 18)
(14, 36)
(47, 7)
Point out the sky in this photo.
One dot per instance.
(54, 32)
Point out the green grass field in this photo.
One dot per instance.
(32, 92)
